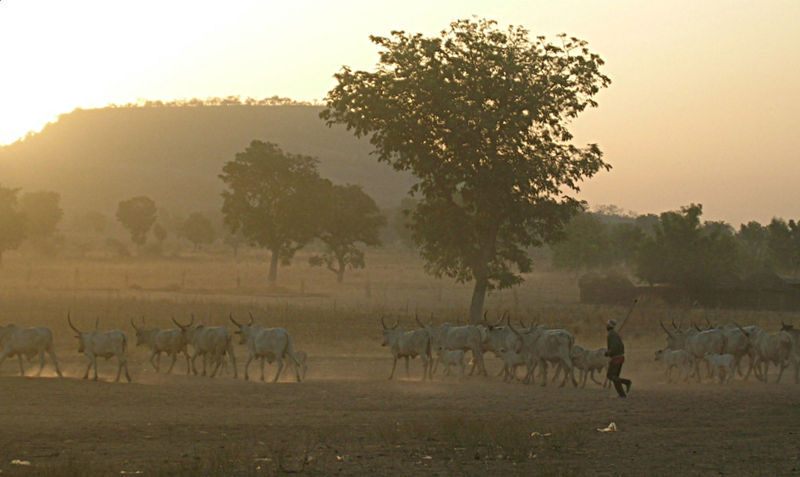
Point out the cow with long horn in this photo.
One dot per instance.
(408, 344)
(98, 344)
(777, 348)
(270, 344)
(171, 341)
(211, 343)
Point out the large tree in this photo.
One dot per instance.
(137, 215)
(686, 252)
(198, 229)
(480, 116)
(12, 221)
(349, 217)
(273, 199)
(43, 212)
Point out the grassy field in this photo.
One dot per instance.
(346, 418)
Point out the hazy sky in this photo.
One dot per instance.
(704, 104)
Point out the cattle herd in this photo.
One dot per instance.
(212, 343)
(522, 349)
(721, 348)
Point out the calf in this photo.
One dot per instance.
(678, 358)
(588, 361)
(721, 365)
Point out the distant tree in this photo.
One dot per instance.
(753, 239)
(198, 229)
(625, 240)
(234, 240)
(687, 253)
(137, 215)
(12, 221)
(783, 242)
(160, 233)
(272, 198)
(42, 213)
(479, 115)
(349, 216)
(586, 244)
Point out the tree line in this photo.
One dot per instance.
(678, 247)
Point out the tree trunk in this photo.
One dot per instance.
(478, 297)
(273, 267)
(340, 272)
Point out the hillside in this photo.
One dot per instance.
(95, 158)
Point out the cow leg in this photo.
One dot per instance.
(246, 365)
(94, 359)
(262, 368)
(172, 364)
(194, 367)
(86, 374)
(41, 362)
(233, 359)
(394, 365)
(21, 369)
(280, 368)
(781, 367)
(55, 361)
(153, 360)
(218, 362)
(188, 362)
(544, 372)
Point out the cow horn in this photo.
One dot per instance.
(396, 323)
(419, 322)
(230, 317)
(134, 325)
(665, 328)
(383, 323)
(708, 322)
(514, 330)
(741, 329)
(97, 323)
(696, 327)
(183, 327)
(71, 325)
(251, 318)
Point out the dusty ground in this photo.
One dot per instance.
(347, 419)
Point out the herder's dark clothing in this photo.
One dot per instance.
(616, 351)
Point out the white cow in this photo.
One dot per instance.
(777, 348)
(674, 358)
(467, 338)
(449, 358)
(102, 344)
(29, 342)
(272, 344)
(542, 346)
(172, 342)
(512, 359)
(722, 365)
(588, 361)
(697, 343)
(210, 342)
(408, 344)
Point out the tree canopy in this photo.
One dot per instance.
(272, 197)
(479, 115)
(12, 220)
(349, 216)
(137, 215)
(198, 229)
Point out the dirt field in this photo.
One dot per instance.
(347, 419)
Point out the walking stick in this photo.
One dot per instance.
(628, 315)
